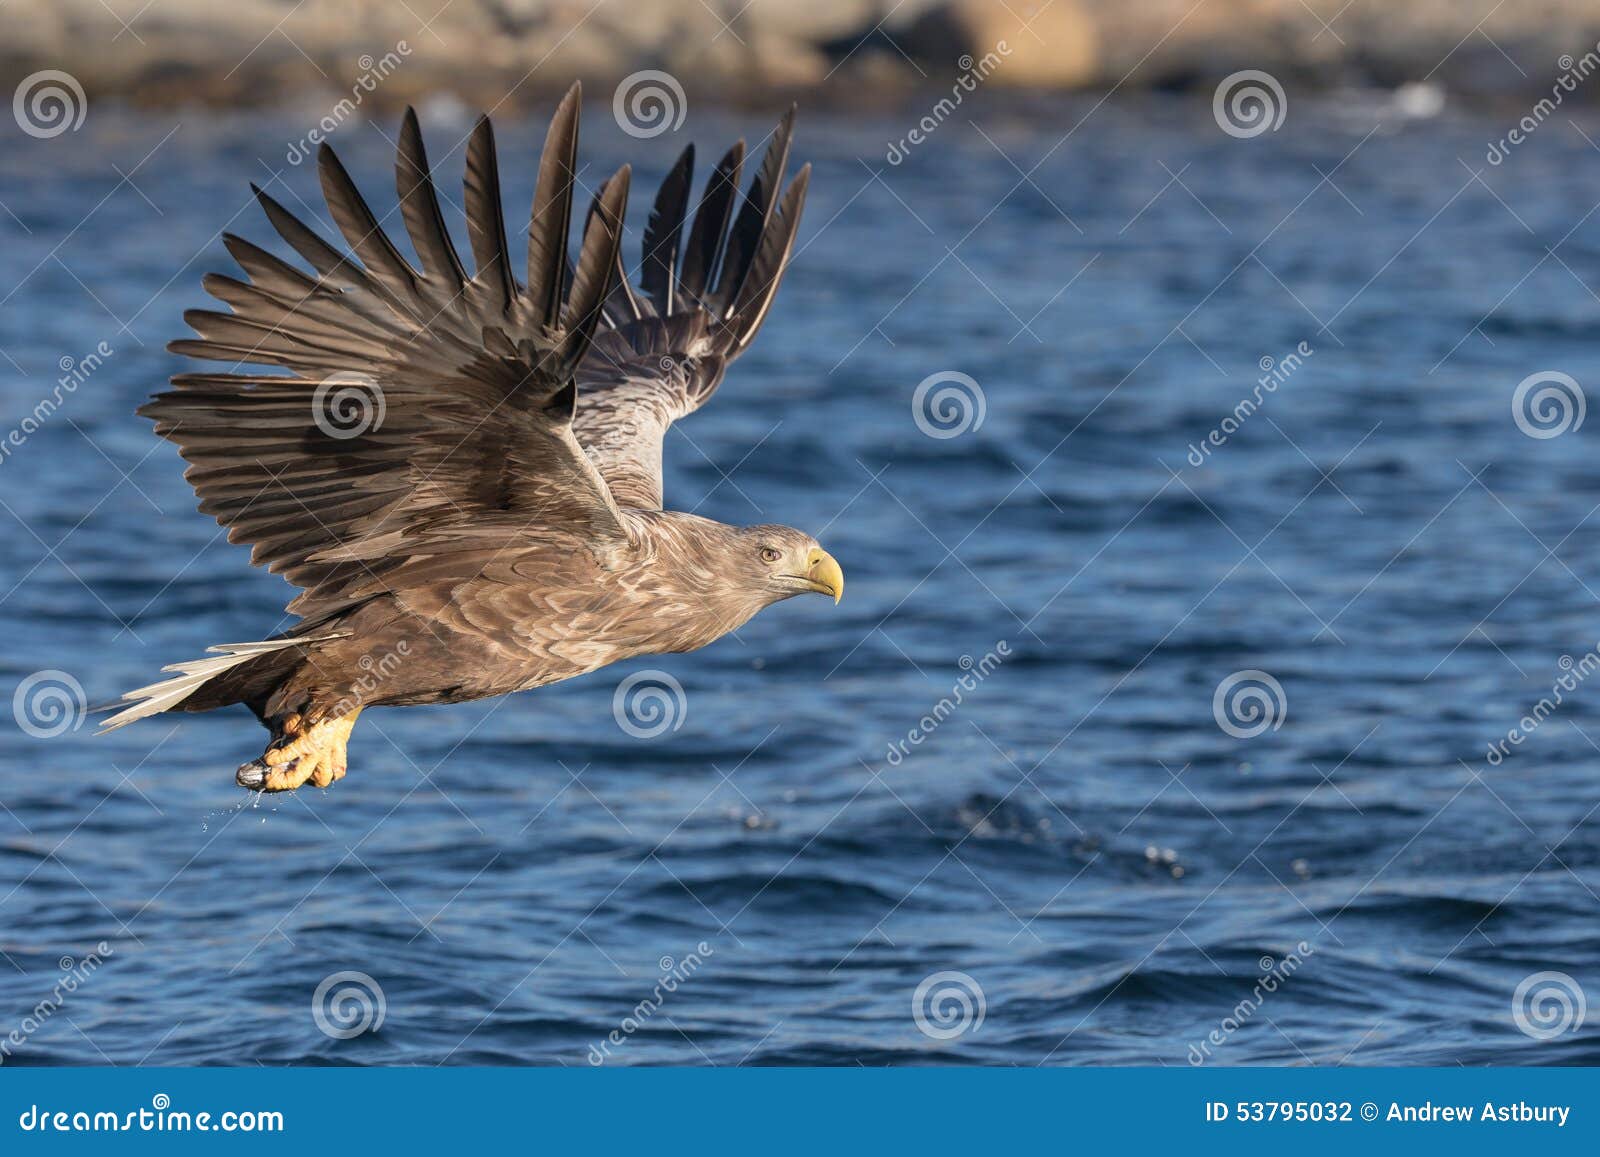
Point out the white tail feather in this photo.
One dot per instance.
(195, 673)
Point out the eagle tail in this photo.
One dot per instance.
(196, 673)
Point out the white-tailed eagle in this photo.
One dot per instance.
(461, 471)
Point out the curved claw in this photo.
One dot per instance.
(258, 775)
(252, 775)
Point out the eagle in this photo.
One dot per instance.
(461, 472)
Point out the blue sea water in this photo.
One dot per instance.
(824, 858)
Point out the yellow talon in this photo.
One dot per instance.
(316, 755)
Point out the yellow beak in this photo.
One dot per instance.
(823, 572)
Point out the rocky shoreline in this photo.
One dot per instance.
(514, 52)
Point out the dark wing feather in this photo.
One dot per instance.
(760, 285)
(419, 207)
(270, 274)
(621, 305)
(754, 215)
(597, 264)
(642, 374)
(663, 234)
(361, 231)
(551, 218)
(415, 421)
(486, 224)
(709, 231)
(324, 258)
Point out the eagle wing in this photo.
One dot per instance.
(663, 350)
(425, 412)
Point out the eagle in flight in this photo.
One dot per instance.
(460, 471)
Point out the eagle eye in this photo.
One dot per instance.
(770, 554)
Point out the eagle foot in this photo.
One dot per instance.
(314, 754)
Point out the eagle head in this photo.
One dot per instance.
(781, 562)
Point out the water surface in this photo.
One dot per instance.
(1080, 838)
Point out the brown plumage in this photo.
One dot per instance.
(462, 472)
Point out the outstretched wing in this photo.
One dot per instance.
(702, 299)
(425, 411)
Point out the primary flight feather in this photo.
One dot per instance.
(461, 471)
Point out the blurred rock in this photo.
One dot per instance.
(1039, 43)
(499, 52)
